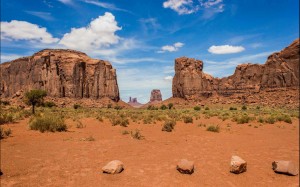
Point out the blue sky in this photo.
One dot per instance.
(142, 38)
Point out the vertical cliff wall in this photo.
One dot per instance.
(62, 73)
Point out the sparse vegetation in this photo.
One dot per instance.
(244, 107)
(48, 104)
(5, 132)
(49, 123)
(187, 119)
(125, 132)
(170, 106)
(168, 126)
(232, 108)
(213, 128)
(35, 97)
(136, 134)
(197, 108)
(163, 107)
(4, 102)
(76, 106)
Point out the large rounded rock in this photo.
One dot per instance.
(113, 167)
(185, 167)
(285, 167)
(237, 165)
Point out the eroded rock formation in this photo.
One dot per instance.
(281, 71)
(134, 102)
(62, 73)
(155, 95)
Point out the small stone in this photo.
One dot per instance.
(185, 167)
(237, 165)
(113, 167)
(285, 167)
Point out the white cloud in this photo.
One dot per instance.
(22, 30)
(210, 3)
(68, 2)
(168, 78)
(9, 57)
(225, 49)
(181, 6)
(171, 48)
(104, 5)
(210, 7)
(43, 15)
(99, 33)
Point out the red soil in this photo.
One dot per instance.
(31, 158)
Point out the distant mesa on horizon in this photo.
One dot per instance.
(134, 102)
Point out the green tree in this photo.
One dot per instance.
(34, 97)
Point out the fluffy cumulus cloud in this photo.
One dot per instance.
(171, 48)
(100, 33)
(22, 30)
(225, 49)
(189, 6)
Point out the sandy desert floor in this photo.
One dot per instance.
(31, 158)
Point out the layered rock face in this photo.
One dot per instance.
(155, 95)
(281, 71)
(62, 73)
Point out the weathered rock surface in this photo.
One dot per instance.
(185, 167)
(285, 167)
(113, 167)
(155, 95)
(237, 165)
(62, 73)
(134, 102)
(280, 72)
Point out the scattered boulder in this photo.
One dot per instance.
(237, 165)
(113, 167)
(285, 167)
(185, 167)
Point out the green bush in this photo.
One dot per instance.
(170, 105)
(76, 106)
(109, 106)
(244, 107)
(260, 119)
(168, 126)
(187, 119)
(270, 120)
(47, 123)
(212, 128)
(136, 135)
(163, 107)
(232, 108)
(117, 107)
(242, 119)
(49, 104)
(3, 102)
(6, 117)
(197, 108)
(206, 108)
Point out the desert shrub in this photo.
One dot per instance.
(170, 105)
(109, 106)
(5, 133)
(125, 132)
(232, 108)
(163, 107)
(270, 120)
(47, 123)
(212, 128)
(197, 108)
(284, 117)
(6, 117)
(244, 107)
(117, 107)
(122, 121)
(168, 126)
(206, 108)
(257, 107)
(151, 107)
(48, 104)
(4, 102)
(76, 106)
(260, 119)
(187, 119)
(242, 119)
(90, 138)
(136, 134)
(79, 124)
